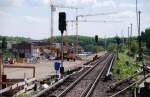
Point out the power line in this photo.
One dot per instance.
(53, 9)
(96, 21)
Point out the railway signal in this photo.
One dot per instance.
(62, 22)
(118, 41)
(94, 21)
(96, 38)
(53, 8)
(87, 15)
(62, 28)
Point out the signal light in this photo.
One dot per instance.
(62, 21)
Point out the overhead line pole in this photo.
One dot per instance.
(131, 36)
(77, 24)
(137, 13)
(76, 49)
(122, 38)
(76, 34)
(52, 9)
(140, 45)
(128, 38)
(131, 30)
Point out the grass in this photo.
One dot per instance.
(124, 67)
(22, 95)
(146, 57)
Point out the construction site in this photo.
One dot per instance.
(87, 48)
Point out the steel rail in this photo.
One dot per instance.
(91, 87)
(115, 85)
(54, 85)
(100, 74)
(61, 81)
(82, 76)
(110, 66)
(137, 82)
(148, 70)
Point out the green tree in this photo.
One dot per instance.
(143, 36)
(134, 47)
(147, 38)
(4, 43)
(112, 46)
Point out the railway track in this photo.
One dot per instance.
(128, 89)
(101, 85)
(83, 85)
(58, 89)
(74, 78)
(137, 91)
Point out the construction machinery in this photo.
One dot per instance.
(66, 50)
(53, 48)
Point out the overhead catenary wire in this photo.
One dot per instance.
(53, 9)
(96, 21)
(87, 15)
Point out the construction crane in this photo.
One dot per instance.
(53, 9)
(74, 21)
(87, 15)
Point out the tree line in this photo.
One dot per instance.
(145, 38)
(89, 44)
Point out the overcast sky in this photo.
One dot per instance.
(31, 18)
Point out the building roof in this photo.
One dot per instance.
(22, 46)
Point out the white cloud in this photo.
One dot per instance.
(106, 3)
(20, 3)
(46, 2)
(31, 19)
(17, 3)
(126, 5)
(2, 13)
(36, 22)
(125, 14)
(72, 2)
(79, 2)
(89, 1)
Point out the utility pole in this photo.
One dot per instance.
(131, 30)
(122, 38)
(139, 33)
(76, 35)
(131, 36)
(128, 38)
(52, 10)
(62, 49)
(86, 15)
(77, 24)
(137, 13)
(77, 20)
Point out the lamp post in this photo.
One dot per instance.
(139, 34)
